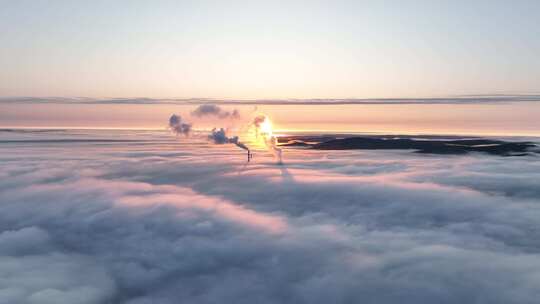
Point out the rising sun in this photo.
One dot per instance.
(266, 127)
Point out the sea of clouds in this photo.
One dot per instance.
(148, 217)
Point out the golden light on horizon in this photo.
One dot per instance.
(475, 119)
(266, 127)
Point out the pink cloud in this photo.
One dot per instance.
(187, 199)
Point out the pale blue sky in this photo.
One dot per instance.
(268, 49)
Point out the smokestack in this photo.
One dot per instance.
(220, 137)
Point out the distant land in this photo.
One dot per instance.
(420, 144)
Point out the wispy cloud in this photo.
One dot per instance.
(213, 110)
(465, 99)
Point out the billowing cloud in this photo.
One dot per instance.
(213, 110)
(34, 270)
(133, 222)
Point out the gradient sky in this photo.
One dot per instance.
(268, 49)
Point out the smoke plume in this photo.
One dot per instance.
(263, 127)
(271, 143)
(257, 121)
(178, 126)
(214, 110)
(220, 137)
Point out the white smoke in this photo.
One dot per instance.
(273, 145)
(257, 122)
(261, 123)
(269, 139)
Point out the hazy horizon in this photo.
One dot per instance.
(507, 115)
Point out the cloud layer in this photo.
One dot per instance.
(465, 99)
(156, 220)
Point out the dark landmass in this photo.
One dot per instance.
(420, 144)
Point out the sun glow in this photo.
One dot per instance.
(266, 127)
(264, 135)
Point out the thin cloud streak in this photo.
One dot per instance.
(462, 100)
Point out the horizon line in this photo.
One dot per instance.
(457, 99)
(283, 131)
